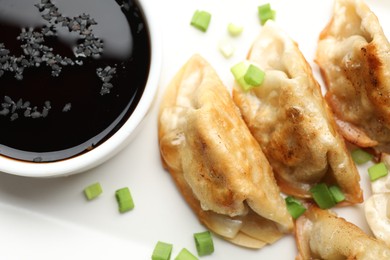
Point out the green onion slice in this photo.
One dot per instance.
(226, 48)
(184, 254)
(247, 75)
(201, 20)
(265, 13)
(245, 86)
(322, 196)
(337, 194)
(235, 29)
(93, 191)
(124, 199)
(204, 243)
(162, 251)
(294, 207)
(254, 76)
(239, 69)
(360, 156)
(377, 171)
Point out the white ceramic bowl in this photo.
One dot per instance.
(117, 141)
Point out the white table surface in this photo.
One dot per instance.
(51, 219)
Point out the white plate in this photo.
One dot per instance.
(50, 218)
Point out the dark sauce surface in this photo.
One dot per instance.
(74, 116)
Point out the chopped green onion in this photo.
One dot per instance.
(184, 254)
(266, 13)
(254, 76)
(377, 171)
(226, 48)
(239, 69)
(124, 199)
(162, 251)
(294, 207)
(93, 191)
(245, 86)
(204, 243)
(322, 196)
(201, 20)
(337, 194)
(360, 156)
(246, 74)
(238, 72)
(235, 29)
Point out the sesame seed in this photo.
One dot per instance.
(36, 53)
(45, 112)
(19, 76)
(47, 104)
(8, 100)
(107, 85)
(14, 116)
(67, 107)
(27, 112)
(47, 17)
(26, 104)
(4, 52)
(4, 112)
(36, 114)
(19, 103)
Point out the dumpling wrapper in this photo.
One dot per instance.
(215, 161)
(377, 212)
(354, 56)
(320, 234)
(291, 121)
(377, 206)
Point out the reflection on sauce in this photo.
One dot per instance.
(71, 73)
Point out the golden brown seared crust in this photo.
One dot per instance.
(320, 234)
(215, 161)
(293, 124)
(354, 57)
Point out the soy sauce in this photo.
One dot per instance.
(60, 97)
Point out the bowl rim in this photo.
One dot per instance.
(119, 139)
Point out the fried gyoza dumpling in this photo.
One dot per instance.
(320, 234)
(354, 56)
(215, 161)
(290, 119)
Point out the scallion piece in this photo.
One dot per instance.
(239, 69)
(337, 194)
(245, 86)
(204, 243)
(322, 196)
(238, 72)
(124, 199)
(201, 20)
(235, 29)
(294, 207)
(93, 191)
(226, 48)
(184, 254)
(360, 156)
(254, 76)
(244, 77)
(266, 13)
(162, 251)
(377, 171)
